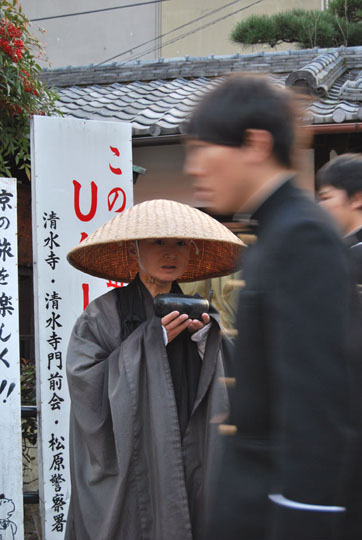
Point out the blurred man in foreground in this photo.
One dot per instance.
(291, 469)
(340, 193)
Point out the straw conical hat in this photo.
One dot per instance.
(105, 252)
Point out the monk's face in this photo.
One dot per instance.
(164, 259)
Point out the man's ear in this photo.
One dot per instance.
(356, 201)
(132, 250)
(259, 143)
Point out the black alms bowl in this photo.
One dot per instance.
(193, 306)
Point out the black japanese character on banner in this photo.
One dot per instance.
(52, 260)
(56, 480)
(5, 200)
(54, 340)
(55, 443)
(57, 358)
(4, 222)
(58, 462)
(53, 321)
(58, 503)
(5, 249)
(52, 300)
(51, 240)
(55, 381)
(3, 339)
(3, 276)
(3, 353)
(10, 389)
(55, 402)
(50, 219)
(59, 523)
(6, 307)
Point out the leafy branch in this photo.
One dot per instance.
(21, 92)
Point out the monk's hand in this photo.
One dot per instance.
(196, 325)
(174, 324)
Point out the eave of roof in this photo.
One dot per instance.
(157, 96)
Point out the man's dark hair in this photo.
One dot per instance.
(343, 172)
(245, 102)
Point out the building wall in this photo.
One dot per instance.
(95, 37)
(215, 38)
(164, 178)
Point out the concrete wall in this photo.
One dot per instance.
(164, 178)
(93, 38)
(215, 39)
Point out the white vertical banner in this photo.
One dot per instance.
(11, 470)
(81, 177)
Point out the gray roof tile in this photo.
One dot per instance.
(144, 120)
(152, 114)
(320, 74)
(157, 96)
(352, 88)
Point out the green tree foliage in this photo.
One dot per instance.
(348, 9)
(340, 24)
(21, 92)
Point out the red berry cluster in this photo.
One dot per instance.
(15, 109)
(10, 108)
(10, 41)
(28, 85)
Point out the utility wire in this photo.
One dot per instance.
(97, 10)
(177, 38)
(197, 19)
(203, 27)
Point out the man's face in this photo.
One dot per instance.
(338, 205)
(220, 175)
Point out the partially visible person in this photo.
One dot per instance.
(340, 193)
(146, 392)
(222, 291)
(292, 467)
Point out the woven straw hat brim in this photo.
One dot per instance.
(105, 253)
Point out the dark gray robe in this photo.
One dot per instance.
(132, 475)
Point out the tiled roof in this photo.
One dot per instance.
(157, 96)
(319, 75)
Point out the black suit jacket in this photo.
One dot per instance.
(354, 241)
(293, 469)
